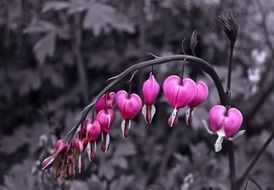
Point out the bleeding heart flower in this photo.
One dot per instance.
(105, 102)
(225, 123)
(105, 118)
(179, 93)
(201, 96)
(60, 149)
(70, 166)
(129, 106)
(93, 131)
(151, 89)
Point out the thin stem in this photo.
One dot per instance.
(255, 182)
(231, 165)
(230, 63)
(187, 59)
(254, 161)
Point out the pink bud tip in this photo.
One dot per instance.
(105, 102)
(201, 96)
(179, 93)
(128, 105)
(229, 120)
(151, 89)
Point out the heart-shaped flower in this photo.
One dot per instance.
(201, 96)
(225, 123)
(151, 89)
(179, 93)
(93, 132)
(105, 118)
(105, 102)
(129, 106)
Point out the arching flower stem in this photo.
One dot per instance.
(186, 59)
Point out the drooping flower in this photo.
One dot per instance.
(225, 123)
(93, 132)
(78, 147)
(129, 106)
(201, 96)
(60, 149)
(105, 118)
(151, 89)
(179, 93)
(105, 102)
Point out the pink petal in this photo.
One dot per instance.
(217, 116)
(94, 131)
(201, 96)
(130, 106)
(233, 122)
(105, 118)
(105, 102)
(179, 93)
(151, 89)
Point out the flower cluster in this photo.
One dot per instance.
(179, 92)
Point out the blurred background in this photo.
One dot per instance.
(55, 56)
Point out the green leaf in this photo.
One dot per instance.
(45, 47)
(102, 18)
(55, 6)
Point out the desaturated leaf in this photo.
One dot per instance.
(39, 26)
(45, 47)
(125, 148)
(120, 162)
(55, 6)
(102, 18)
(76, 6)
(122, 183)
(20, 177)
(76, 184)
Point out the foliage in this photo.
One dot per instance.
(41, 88)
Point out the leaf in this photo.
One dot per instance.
(55, 6)
(126, 148)
(102, 18)
(78, 6)
(45, 47)
(39, 26)
(20, 177)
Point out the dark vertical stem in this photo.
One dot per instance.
(254, 161)
(76, 46)
(231, 165)
(229, 73)
(231, 158)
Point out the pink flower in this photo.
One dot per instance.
(129, 106)
(179, 93)
(105, 102)
(151, 89)
(224, 122)
(79, 148)
(61, 149)
(105, 118)
(201, 96)
(93, 132)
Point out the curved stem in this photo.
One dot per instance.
(254, 161)
(192, 60)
